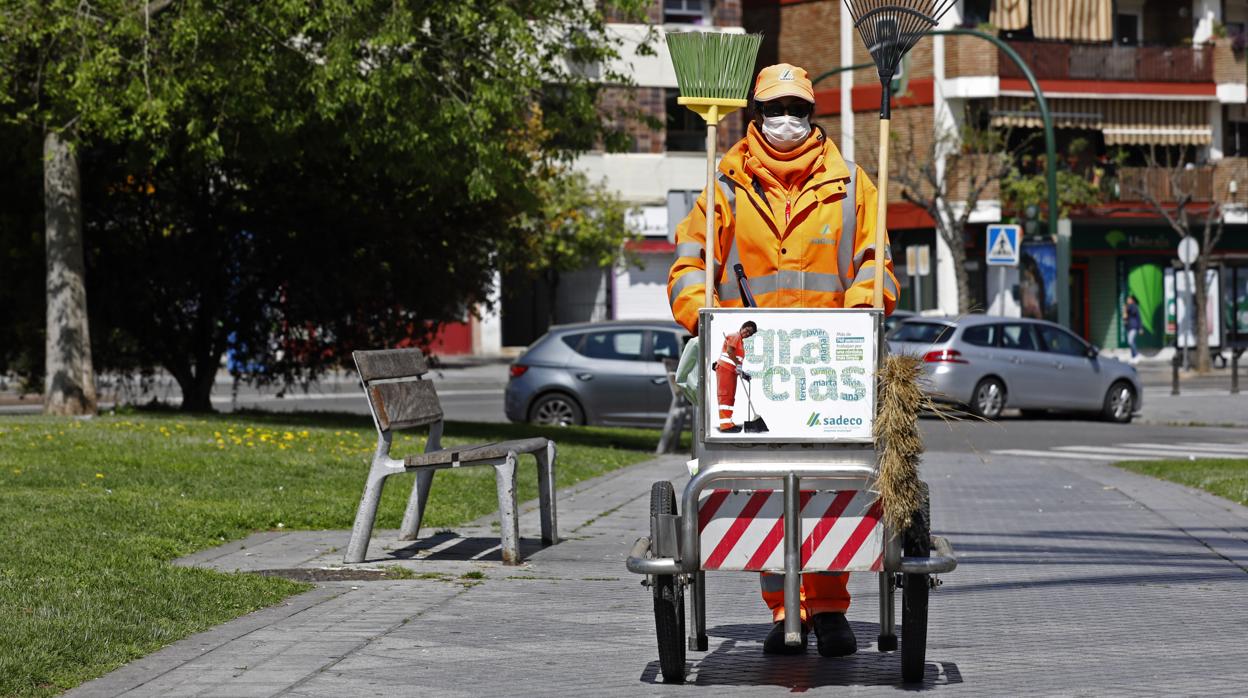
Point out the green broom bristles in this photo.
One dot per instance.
(713, 65)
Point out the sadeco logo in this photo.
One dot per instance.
(817, 419)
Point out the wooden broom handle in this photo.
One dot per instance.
(881, 219)
(710, 210)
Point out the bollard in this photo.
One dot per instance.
(1174, 375)
(1235, 370)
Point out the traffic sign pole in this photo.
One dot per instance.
(1004, 243)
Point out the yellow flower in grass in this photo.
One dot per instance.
(99, 476)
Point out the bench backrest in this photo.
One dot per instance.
(399, 395)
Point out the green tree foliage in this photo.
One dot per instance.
(577, 223)
(306, 178)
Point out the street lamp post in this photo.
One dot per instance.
(1050, 160)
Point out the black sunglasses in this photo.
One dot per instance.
(775, 108)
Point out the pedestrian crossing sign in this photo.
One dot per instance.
(1003, 245)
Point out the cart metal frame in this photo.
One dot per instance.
(673, 548)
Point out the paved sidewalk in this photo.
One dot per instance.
(1075, 579)
(1197, 407)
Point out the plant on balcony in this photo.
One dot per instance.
(1174, 205)
(1074, 190)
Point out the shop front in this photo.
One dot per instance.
(1111, 261)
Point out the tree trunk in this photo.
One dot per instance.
(197, 393)
(964, 284)
(196, 387)
(69, 379)
(1202, 300)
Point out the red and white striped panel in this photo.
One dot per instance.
(744, 530)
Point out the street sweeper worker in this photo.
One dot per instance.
(801, 221)
(727, 368)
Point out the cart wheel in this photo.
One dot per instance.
(669, 599)
(916, 543)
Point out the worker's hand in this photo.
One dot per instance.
(741, 372)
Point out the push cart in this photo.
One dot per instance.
(795, 499)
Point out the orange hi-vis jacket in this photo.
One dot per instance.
(733, 351)
(820, 257)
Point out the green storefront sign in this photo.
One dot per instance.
(1118, 239)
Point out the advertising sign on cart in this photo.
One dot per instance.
(795, 375)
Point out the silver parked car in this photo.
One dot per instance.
(596, 373)
(990, 363)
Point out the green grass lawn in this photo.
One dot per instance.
(92, 511)
(1221, 476)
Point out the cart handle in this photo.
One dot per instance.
(639, 561)
(943, 560)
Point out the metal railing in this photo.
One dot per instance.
(1161, 183)
(1052, 60)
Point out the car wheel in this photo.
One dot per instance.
(1119, 403)
(988, 400)
(556, 409)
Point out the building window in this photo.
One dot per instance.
(1127, 29)
(687, 12)
(1235, 32)
(686, 131)
(976, 12)
(1235, 134)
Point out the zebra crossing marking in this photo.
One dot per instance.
(1140, 451)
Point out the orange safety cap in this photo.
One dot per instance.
(783, 80)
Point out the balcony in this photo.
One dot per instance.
(1070, 61)
(1163, 185)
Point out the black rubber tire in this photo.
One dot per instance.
(556, 409)
(669, 599)
(917, 542)
(1110, 411)
(987, 408)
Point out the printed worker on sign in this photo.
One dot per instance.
(801, 220)
(730, 365)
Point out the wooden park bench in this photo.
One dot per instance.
(401, 398)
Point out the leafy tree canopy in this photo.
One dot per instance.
(306, 177)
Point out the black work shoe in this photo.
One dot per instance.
(774, 644)
(836, 638)
(734, 429)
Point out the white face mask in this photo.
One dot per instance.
(786, 132)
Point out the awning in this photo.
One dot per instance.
(1010, 15)
(1123, 121)
(1072, 20)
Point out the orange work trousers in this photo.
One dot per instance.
(725, 391)
(822, 592)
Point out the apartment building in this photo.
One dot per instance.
(660, 175)
(1123, 78)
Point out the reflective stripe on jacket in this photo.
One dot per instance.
(804, 262)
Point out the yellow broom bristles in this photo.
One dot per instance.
(897, 430)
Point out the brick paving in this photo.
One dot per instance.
(1075, 579)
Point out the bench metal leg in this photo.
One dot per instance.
(508, 521)
(357, 548)
(546, 493)
(415, 512)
